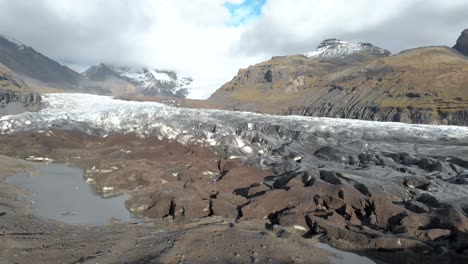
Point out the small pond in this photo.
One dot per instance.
(60, 193)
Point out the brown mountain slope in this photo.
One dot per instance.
(424, 85)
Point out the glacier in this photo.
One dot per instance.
(375, 153)
(103, 111)
(102, 115)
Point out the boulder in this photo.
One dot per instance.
(433, 234)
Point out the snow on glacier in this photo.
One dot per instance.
(104, 115)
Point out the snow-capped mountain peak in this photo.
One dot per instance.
(155, 82)
(149, 82)
(334, 48)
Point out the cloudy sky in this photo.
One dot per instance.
(211, 39)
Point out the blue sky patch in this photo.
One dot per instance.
(245, 11)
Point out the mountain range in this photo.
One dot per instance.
(44, 74)
(360, 81)
(338, 79)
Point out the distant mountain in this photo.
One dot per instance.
(33, 66)
(148, 82)
(101, 72)
(462, 43)
(101, 75)
(154, 82)
(334, 48)
(44, 74)
(359, 81)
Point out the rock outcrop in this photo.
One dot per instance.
(16, 103)
(15, 96)
(29, 100)
(462, 43)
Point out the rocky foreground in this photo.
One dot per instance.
(25, 238)
(393, 192)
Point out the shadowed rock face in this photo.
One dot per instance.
(15, 96)
(462, 43)
(29, 101)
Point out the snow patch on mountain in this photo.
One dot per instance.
(334, 48)
(162, 76)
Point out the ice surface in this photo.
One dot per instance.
(103, 115)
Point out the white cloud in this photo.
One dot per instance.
(191, 37)
(195, 37)
(288, 28)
